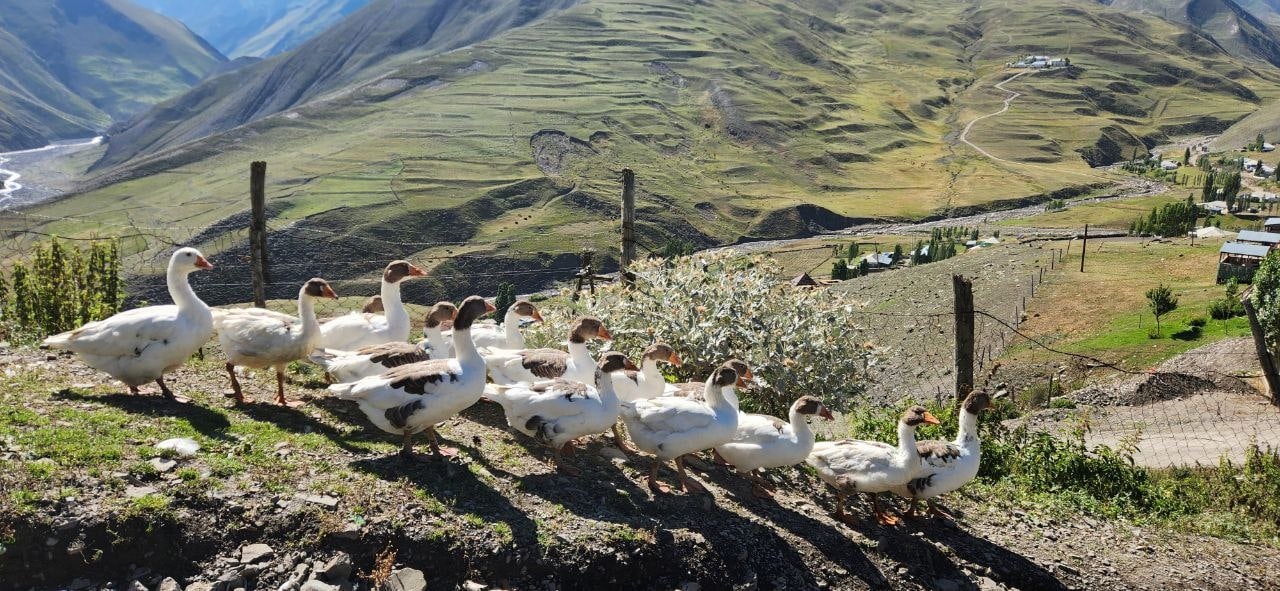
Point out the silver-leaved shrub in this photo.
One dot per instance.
(714, 307)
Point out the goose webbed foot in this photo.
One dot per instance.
(687, 484)
(164, 389)
(657, 487)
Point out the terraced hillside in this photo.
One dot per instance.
(766, 120)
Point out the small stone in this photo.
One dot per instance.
(406, 579)
(163, 464)
(613, 453)
(324, 500)
(199, 586)
(338, 567)
(988, 584)
(168, 584)
(136, 585)
(182, 446)
(349, 531)
(136, 492)
(314, 585)
(256, 553)
(473, 586)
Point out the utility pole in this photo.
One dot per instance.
(258, 231)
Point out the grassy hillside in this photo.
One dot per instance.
(1243, 28)
(257, 28)
(70, 67)
(386, 33)
(738, 123)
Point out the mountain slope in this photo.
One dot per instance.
(71, 66)
(385, 33)
(767, 121)
(256, 28)
(1240, 30)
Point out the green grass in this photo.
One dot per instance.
(1103, 312)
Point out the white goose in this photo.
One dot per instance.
(138, 346)
(558, 411)
(872, 467)
(762, 441)
(647, 382)
(254, 337)
(360, 329)
(948, 465)
(349, 366)
(695, 390)
(412, 398)
(670, 427)
(508, 367)
(507, 336)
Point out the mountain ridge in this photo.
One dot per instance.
(71, 67)
(256, 28)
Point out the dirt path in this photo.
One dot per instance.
(964, 135)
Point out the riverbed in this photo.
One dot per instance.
(17, 190)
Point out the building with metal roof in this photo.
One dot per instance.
(1270, 239)
(1240, 260)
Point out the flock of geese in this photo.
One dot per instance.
(554, 396)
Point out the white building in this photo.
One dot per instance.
(1169, 165)
(1250, 164)
(1266, 147)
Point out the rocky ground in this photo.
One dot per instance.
(1193, 409)
(311, 498)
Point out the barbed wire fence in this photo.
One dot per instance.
(1186, 412)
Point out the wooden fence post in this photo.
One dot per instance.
(258, 231)
(1084, 246)
(1269, 370)
(964, 325)
(628, 224)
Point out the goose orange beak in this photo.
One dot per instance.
(416, 271)
(327, 292)
(930, 419)
(630, 366)
(674, 360)
(604, 334)
(488, 308)
(203, 263)
(537, 316)
(748, 375)
(741, 383)
(826, 414)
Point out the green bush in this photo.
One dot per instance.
(60, 288)
(1198, 322)
(717, 307)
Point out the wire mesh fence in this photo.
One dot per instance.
(1194, 409)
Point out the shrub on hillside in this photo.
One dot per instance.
(60, 288)
(711, 308)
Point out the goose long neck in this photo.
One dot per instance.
(968, 428)
(580, 354)
(907, 441)
(464, 348)
(511, 325)
(392, 304)
(307, 313)
(604, 384)
(435, 337)
(715, 396)
(800, 425)
(180, 289)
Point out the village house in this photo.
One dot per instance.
(1271, 225)
(1268, 147)
(1249, 164)
(1219, 207)
(1267, 239)
(1240, 260)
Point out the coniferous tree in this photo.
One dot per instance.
(506, 298)
(1186, 156)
